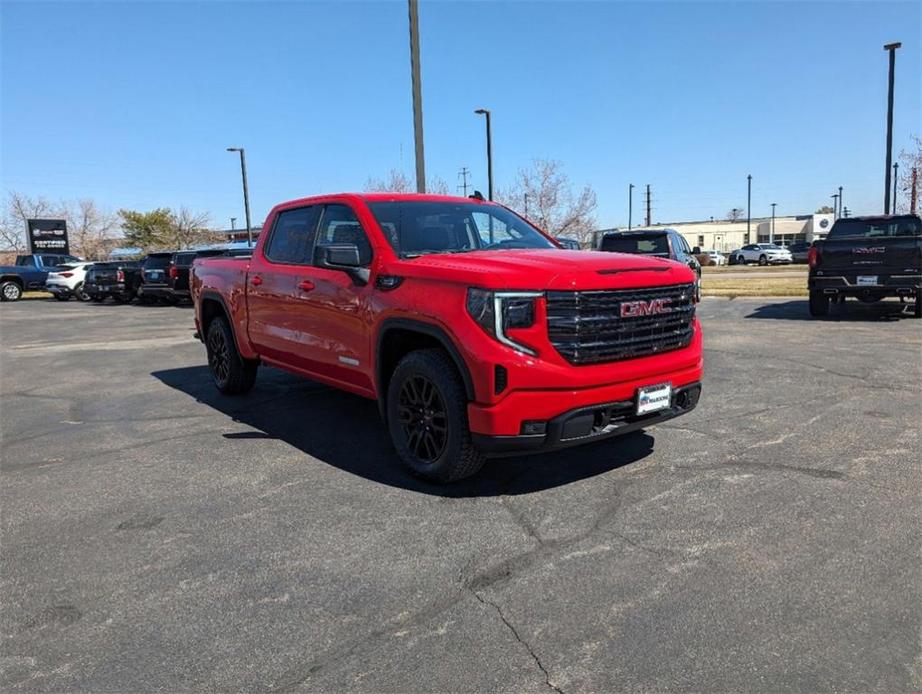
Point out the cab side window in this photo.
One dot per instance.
(340, 225)
(292, 238)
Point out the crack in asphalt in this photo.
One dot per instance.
(518, 637)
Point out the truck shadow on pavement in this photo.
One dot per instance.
(346, 431)
(850, 311)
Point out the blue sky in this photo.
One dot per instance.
(133, 104)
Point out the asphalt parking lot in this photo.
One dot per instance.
(158, 536)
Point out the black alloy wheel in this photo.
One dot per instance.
(218, 356)
(421, 412)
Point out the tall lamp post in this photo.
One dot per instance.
(246, 190)
(417, 97)
(748, 207)
(771, 238)
(841, 199)
(896, 182)
(486, 112)
(630, 205)
(891, 47)
(835, 206)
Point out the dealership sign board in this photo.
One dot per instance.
(48, 236)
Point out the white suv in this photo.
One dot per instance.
(763, 254)
(66, 281)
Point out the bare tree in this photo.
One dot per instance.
(190, 229)
(735, 214)
(90, 230)
(553, 204)
(16, 210)
(910, 157)
(398, 182)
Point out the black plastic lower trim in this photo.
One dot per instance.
(561, 429)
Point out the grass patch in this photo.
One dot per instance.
(718, 269)
(754, 286)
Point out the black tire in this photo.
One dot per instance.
(819, 304)
(763, 260)
(232, 374)
(740, 260)
(60, 296)
(427, 418)
(10, 291)
(80, 294)
(917, 311)
(98, 298)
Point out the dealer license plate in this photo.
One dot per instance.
(867, 280)
(654, 398)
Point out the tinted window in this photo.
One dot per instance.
(418, 228)
(157, 262)
(906, 226)
(183, 259)
(643, 245)
(340, 225)
(293, 236)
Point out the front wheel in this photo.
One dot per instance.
(740, 260)
(917, 312)
(427, 418)
(763, 260)
(10, 291)
(819, 304)
(80, 294)
(232, 374)
(61, 296)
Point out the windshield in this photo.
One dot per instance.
(415, 228)
(907, 226)
(657, 245)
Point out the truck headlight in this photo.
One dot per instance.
(497, 312)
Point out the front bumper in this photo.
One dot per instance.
(588, 424)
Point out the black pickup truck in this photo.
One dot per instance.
(118, 279)
(868, 258)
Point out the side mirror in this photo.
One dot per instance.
(342, 256)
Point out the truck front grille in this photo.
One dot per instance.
(588, 327)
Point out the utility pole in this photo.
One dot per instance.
(233, 223)
(417, 97)
(841, 199)
(648, 205)
(486, 112)
(845, 212)
(748, 207)
(771, 235)
(463, 173)
(891, 47)
(913, 191)
(896, 183)
(630, 205)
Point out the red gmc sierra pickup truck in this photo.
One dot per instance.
(475, 332)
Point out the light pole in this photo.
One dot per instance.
(748, 207)
(841, 198)
(246, 190)
(835, 206)
(891, 47)
(771, 236)
(486, 112)
(417, 97)
(896, 182)
(630, 205)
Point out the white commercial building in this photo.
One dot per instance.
(729, 235)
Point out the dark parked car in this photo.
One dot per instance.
(799, 251)
(568, 243)
(659, 243)
(117, 279)
(155, 284)
(178, 271)
(868, 258)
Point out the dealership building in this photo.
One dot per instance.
(727, 235)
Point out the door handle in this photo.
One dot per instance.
(305, 285)
(256, 280)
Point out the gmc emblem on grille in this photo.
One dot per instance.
(633, 309)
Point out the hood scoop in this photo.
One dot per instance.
(650, 268)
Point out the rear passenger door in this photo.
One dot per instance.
(278, 316)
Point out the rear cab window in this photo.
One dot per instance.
(656, 245)
(871, 229)
(157, 261)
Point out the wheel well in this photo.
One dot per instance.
(211, 309)
(395, 343)
(12, 278)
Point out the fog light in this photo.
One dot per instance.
(533, 427)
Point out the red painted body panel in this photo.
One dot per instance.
(321, 324)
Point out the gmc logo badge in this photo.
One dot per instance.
(871, 249)
(633, 309)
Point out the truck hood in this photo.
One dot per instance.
(541, 269)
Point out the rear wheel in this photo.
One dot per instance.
(427, 418)
(917, 312)
(10, 291)
(819, 304)
(80, 294)
(98, 298)
(232, 374)
(61, 296)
